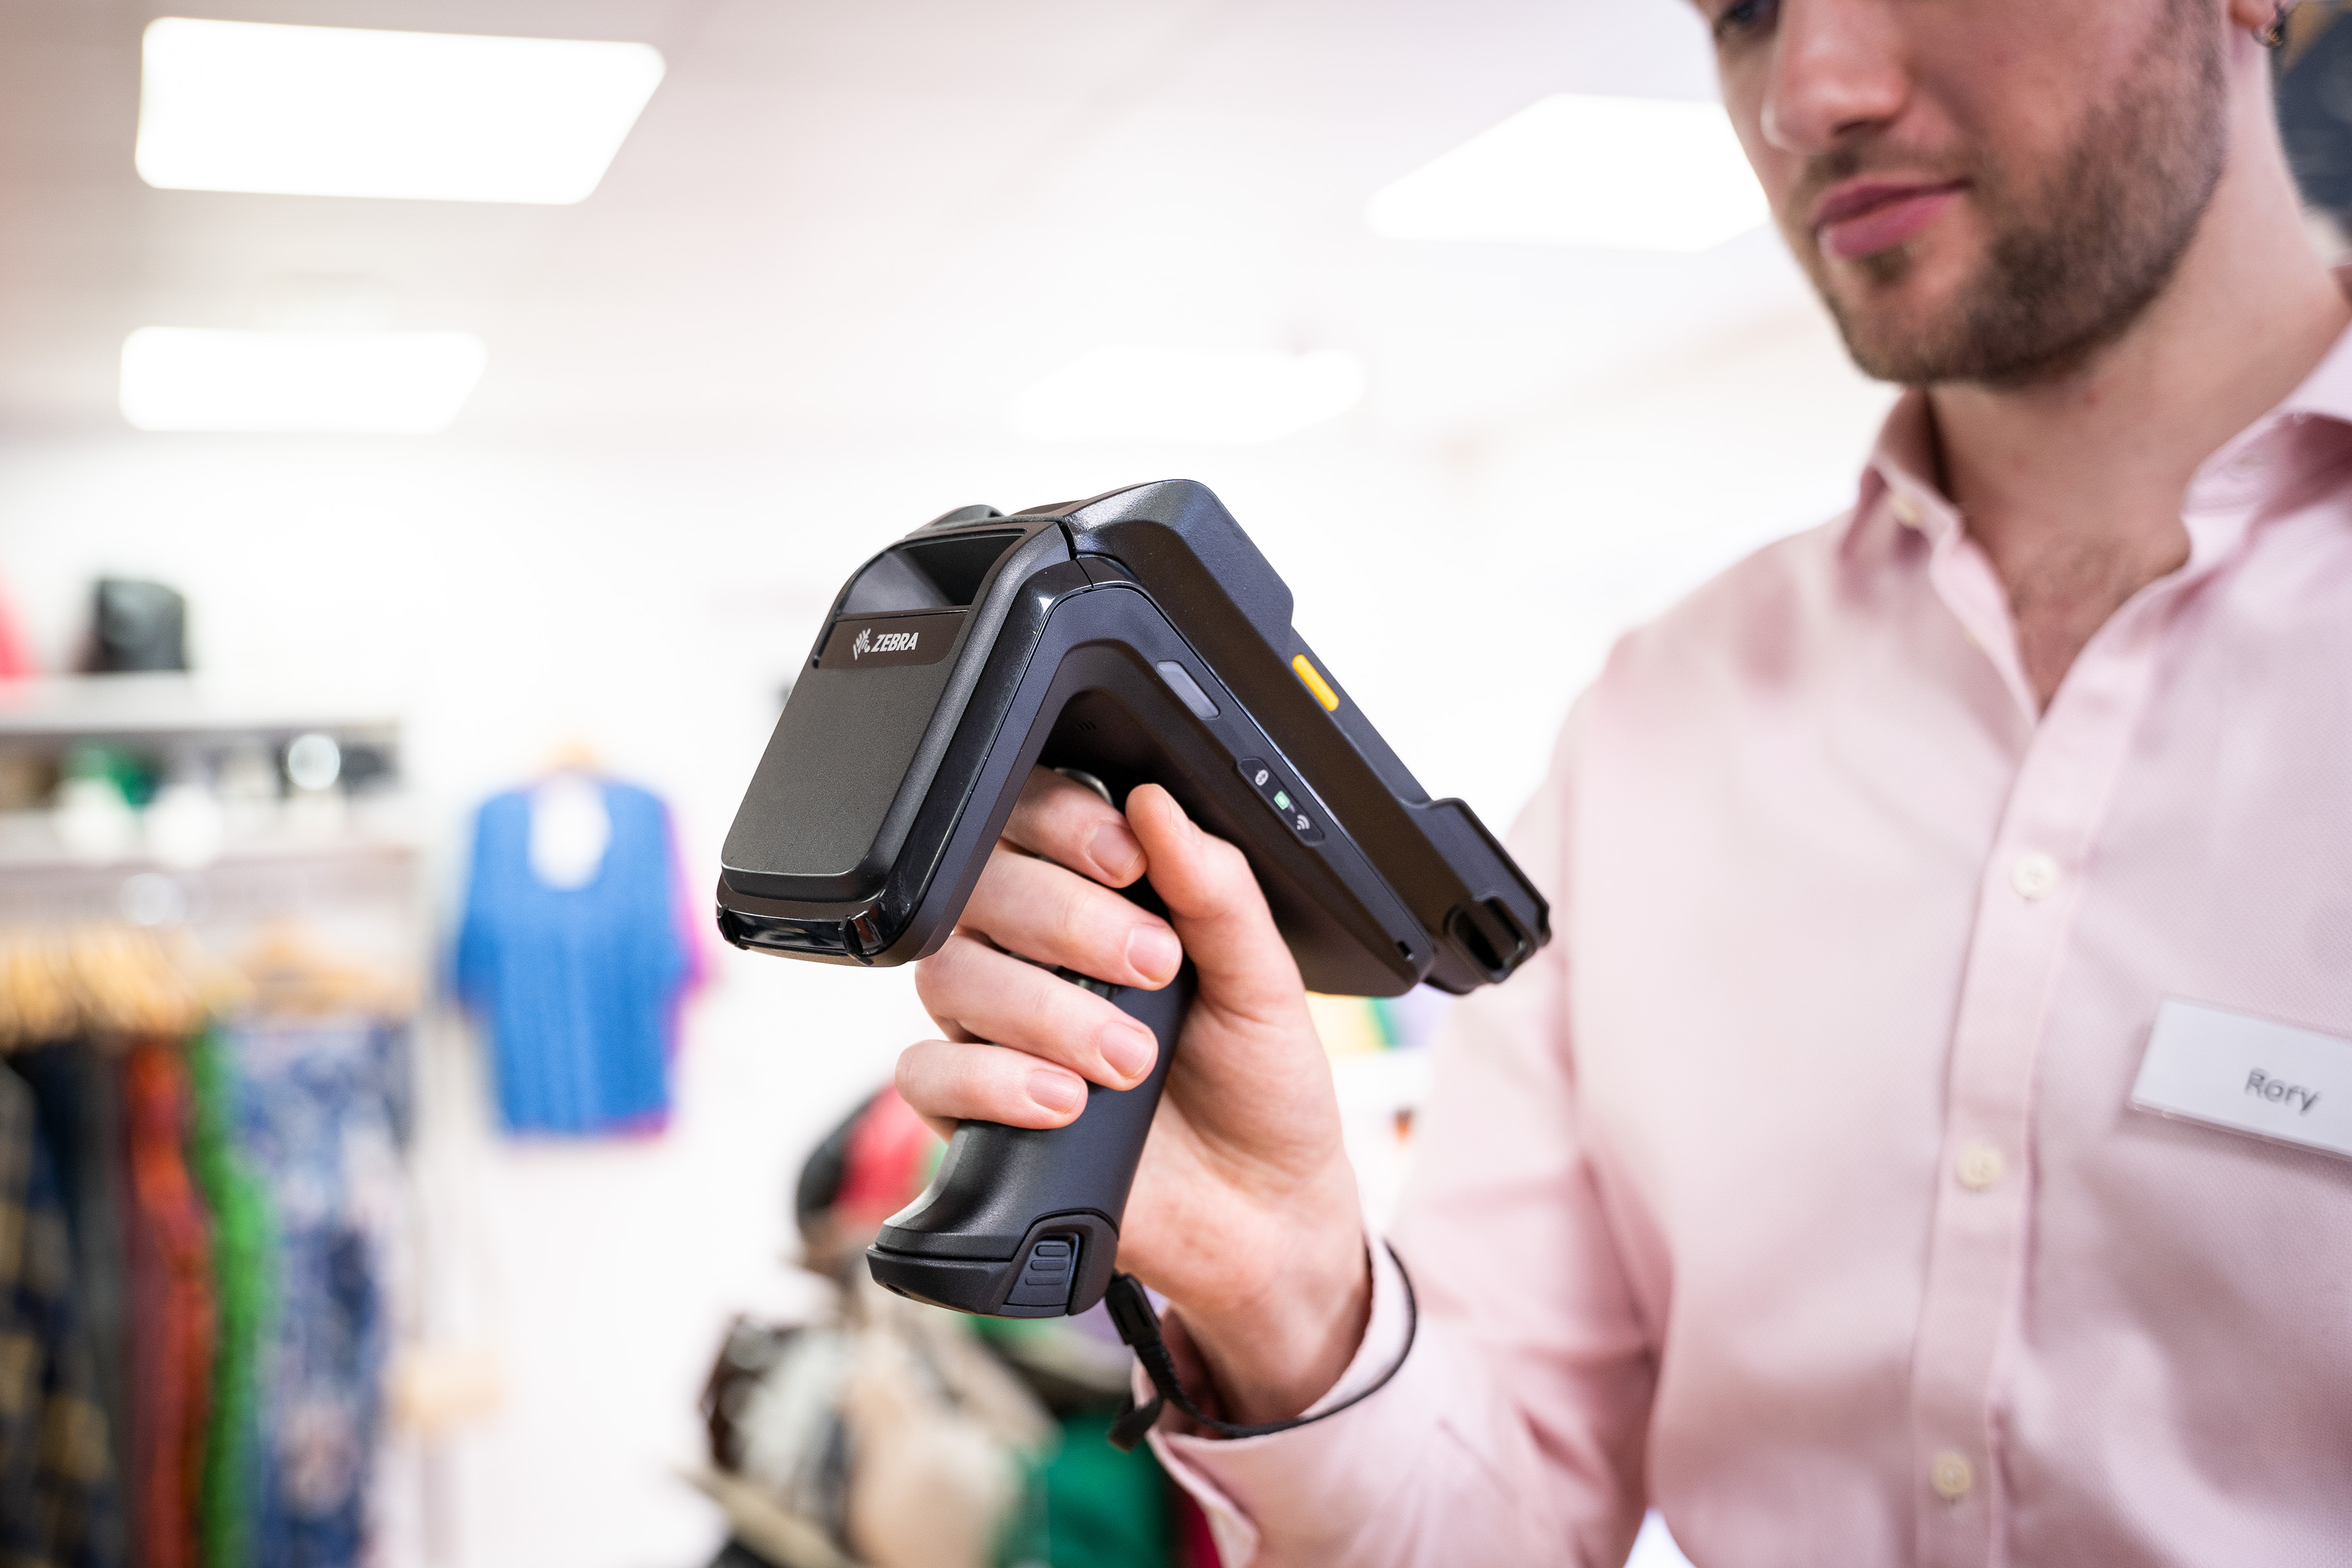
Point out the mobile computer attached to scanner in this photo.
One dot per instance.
(1137, 638)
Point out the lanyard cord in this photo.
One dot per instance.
(1139, 1325)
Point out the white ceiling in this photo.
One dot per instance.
(888, 216)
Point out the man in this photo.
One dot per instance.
(1797, 1188)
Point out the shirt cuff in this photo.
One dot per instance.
(1194, 1461)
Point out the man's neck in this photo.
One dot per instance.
(2073, 487)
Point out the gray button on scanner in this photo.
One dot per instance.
(1180, 681)
(1046, 1274)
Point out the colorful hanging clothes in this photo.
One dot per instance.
(579, 987)
(171, 1312)
(78, 1088)
(310, 1109)
(316, 1111)
(60, 1507)
(245, 1266)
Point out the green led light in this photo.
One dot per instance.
(1282, 800)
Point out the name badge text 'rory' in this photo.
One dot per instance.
(2250, 1075)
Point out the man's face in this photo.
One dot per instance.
(1985, 191)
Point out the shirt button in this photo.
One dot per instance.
(1980, 1167)
(1907, 510)
(2035, 874)
(1951, 1475)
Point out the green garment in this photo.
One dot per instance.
(245, 1254)
(1090, 1506)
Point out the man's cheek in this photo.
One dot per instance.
(1780, 178)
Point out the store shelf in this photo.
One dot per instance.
(371, 830)
(166, 707)
(328, 884)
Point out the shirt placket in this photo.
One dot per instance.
(2026, 900)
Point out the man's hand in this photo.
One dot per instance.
(1243, 1212)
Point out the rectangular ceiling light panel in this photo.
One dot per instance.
(182, 378)
(1620, 174)
(1136, 392)
(338, 111)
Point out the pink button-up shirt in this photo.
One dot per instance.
(1795, 1189)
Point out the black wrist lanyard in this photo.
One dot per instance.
(1139, 1325)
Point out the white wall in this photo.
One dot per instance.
(649, 602)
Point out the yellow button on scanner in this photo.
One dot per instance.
(1313, 677)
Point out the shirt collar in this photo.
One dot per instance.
(1898, 484)
(2273, 458)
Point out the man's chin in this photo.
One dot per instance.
(1900, 312)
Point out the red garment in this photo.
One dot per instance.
(172, 1317)
(889, 1160)
(1195, 1546)
(15, 659)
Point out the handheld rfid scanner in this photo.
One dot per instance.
(1135, 638)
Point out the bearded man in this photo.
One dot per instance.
(1915, 1146)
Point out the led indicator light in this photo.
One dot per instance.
(1276, 794)
(1313, 681)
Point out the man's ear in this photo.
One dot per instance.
(2259, 16)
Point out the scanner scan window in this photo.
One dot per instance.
(927, 574)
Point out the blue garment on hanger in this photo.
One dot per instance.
(578, 987)
(318, 1104)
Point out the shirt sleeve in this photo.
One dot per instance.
(1514, 1432)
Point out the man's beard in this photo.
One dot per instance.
(2071, 266)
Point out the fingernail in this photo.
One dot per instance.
(1114, 848)
(1057, 1091)
(1129, 1049)
(1155, 951)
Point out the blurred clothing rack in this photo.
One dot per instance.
(208, 1002)
(103, 982)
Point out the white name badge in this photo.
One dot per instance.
(2249, 1075)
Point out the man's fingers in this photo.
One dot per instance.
(971, 989)
(948, 1082)
(1066, 822)
(1216, 904)
(1040, 911)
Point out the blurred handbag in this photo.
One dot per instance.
(891, 1438)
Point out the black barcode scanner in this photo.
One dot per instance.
(1135, 638)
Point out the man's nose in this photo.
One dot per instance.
(1838, 66)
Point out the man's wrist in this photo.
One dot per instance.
(1270, 1358)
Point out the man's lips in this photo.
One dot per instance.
(1866, 217)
